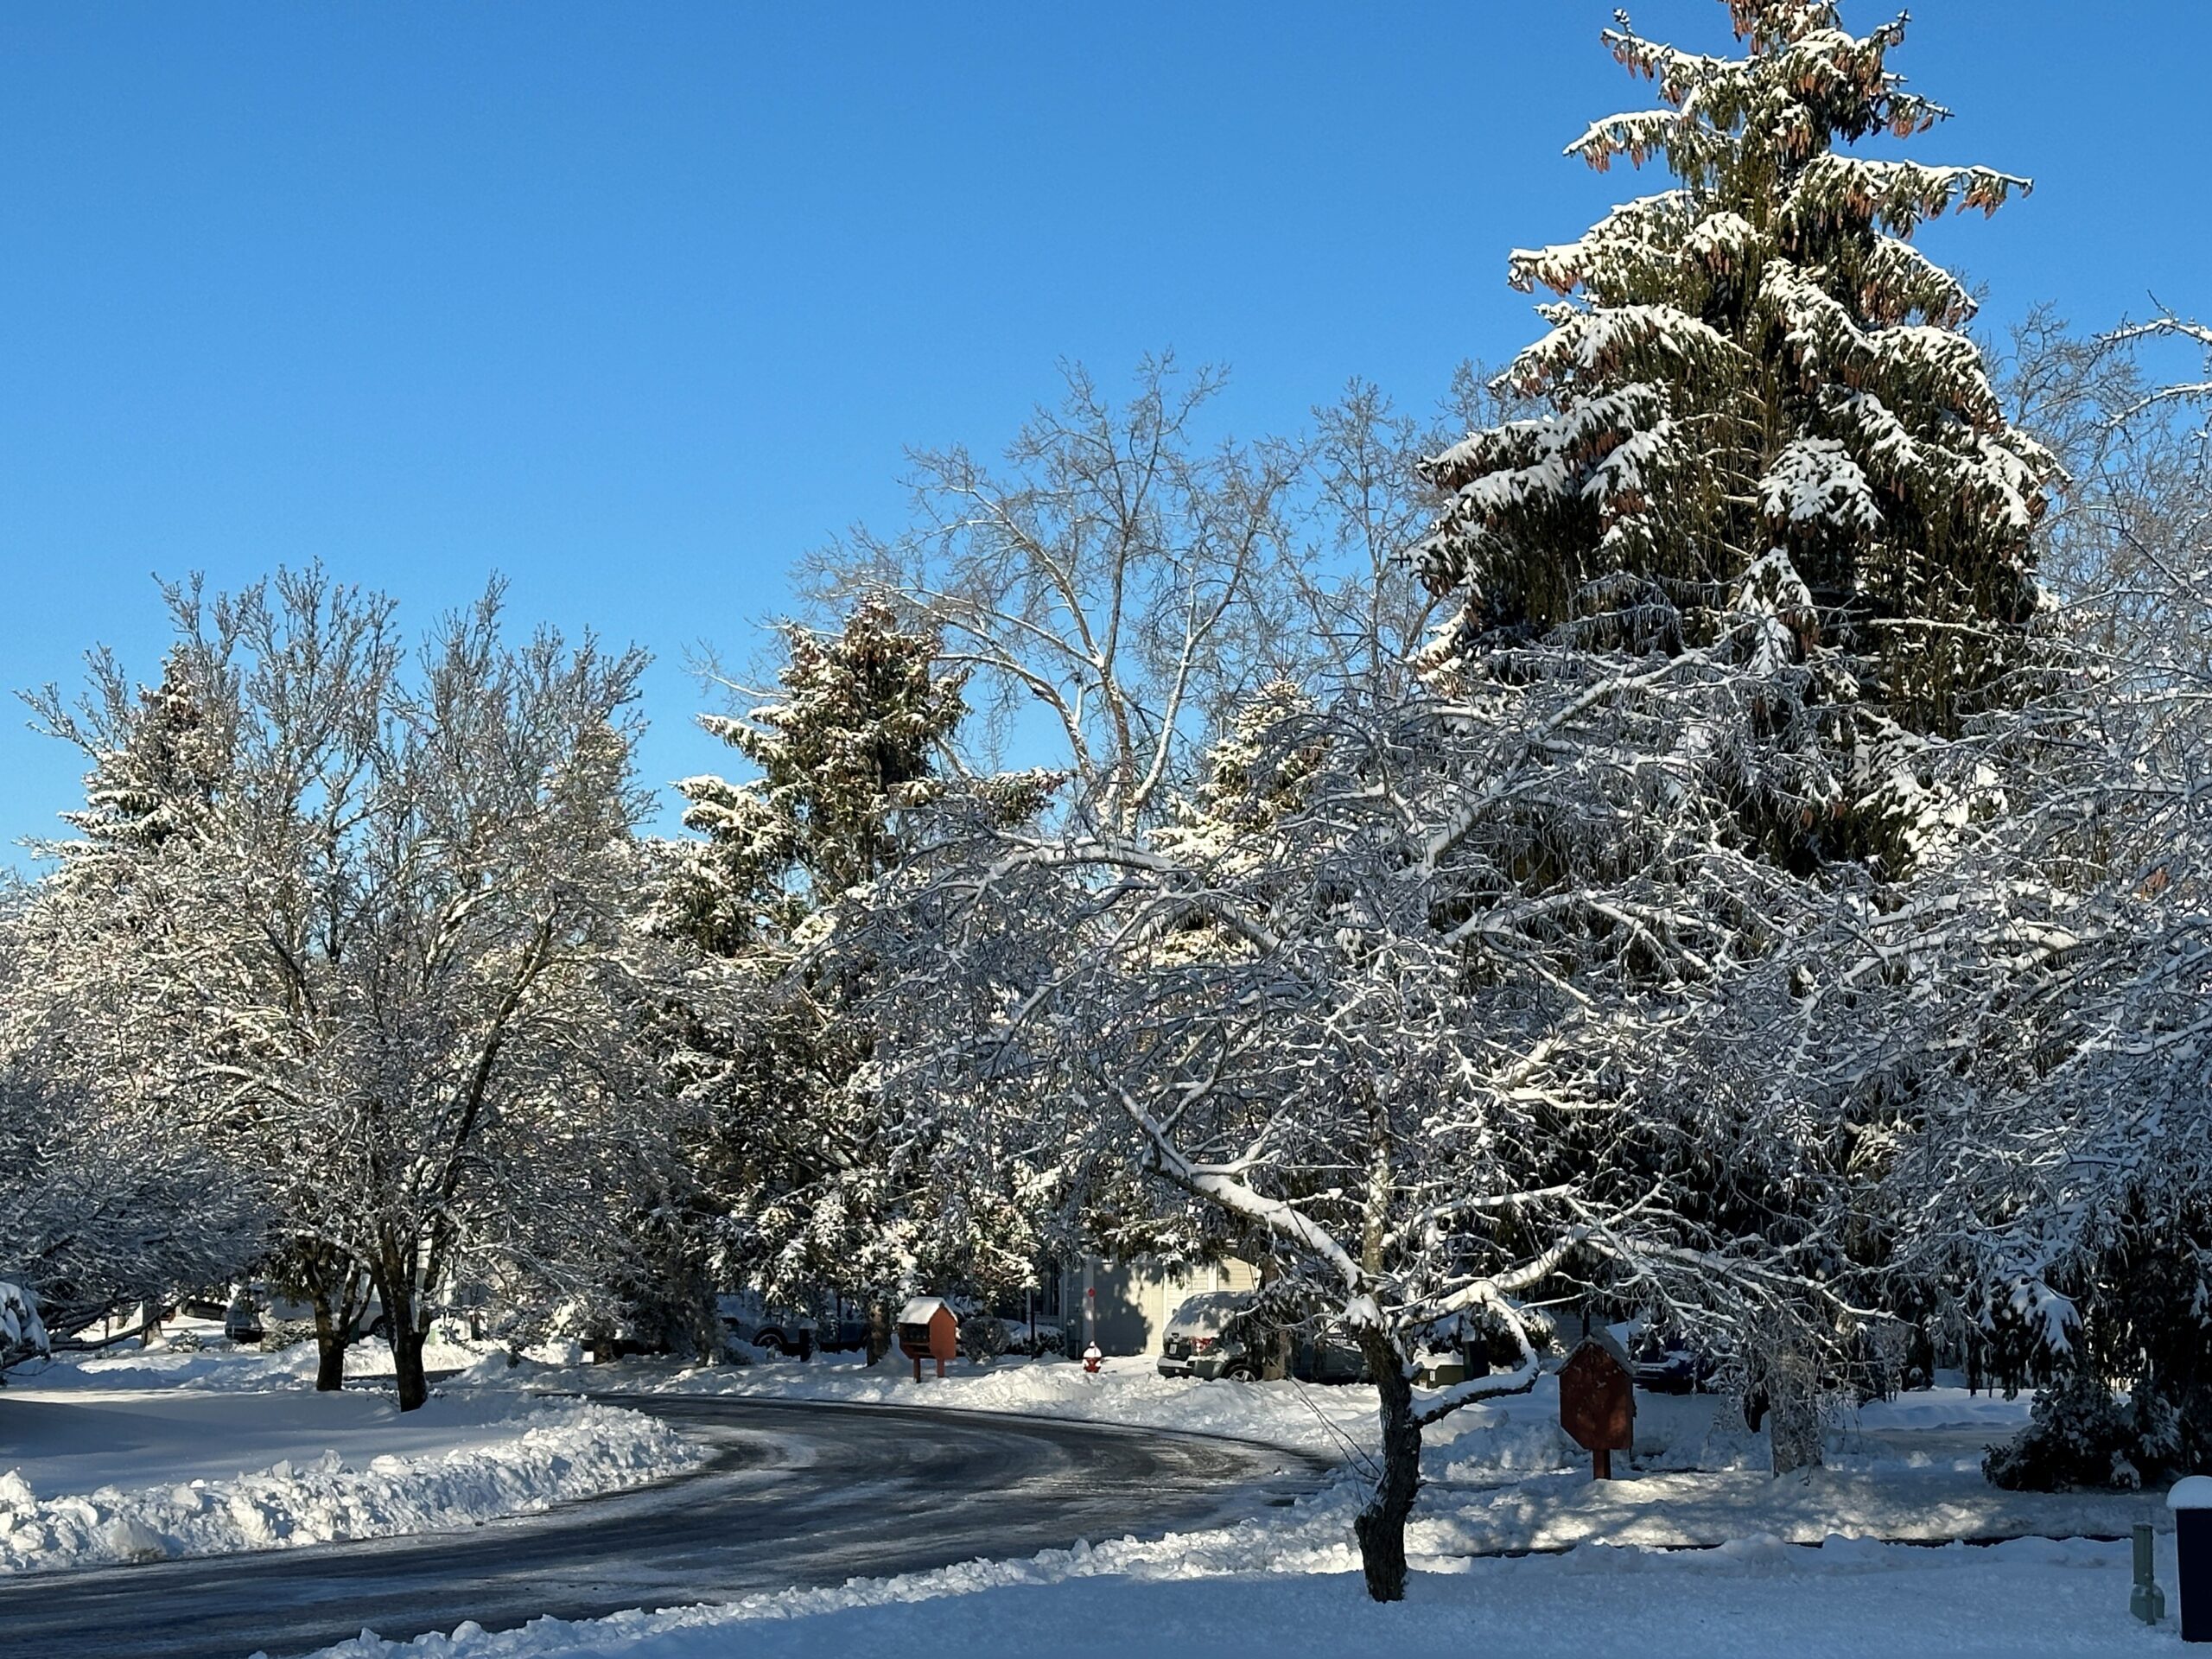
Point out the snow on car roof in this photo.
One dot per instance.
(1208, 1311)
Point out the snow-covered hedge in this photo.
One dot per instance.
(22, 1335)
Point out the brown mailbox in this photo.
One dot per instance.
(1597, 1401)
(928, 1329)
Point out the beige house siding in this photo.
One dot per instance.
(1124, 1306)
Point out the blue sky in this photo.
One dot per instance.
(634, 304)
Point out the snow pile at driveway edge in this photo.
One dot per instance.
(557, 1454)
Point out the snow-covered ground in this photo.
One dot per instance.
(1696, 1550)
(1503, 1475)
(154, 1454)
(1799, 1564)
(1290, 1585)
(204, 1359)
(2033, 1599)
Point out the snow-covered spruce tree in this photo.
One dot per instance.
(1758, 392)
(808, 1181)
(849, 740)
(1758, 367)
(161, 785)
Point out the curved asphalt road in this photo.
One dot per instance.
(794, 1494)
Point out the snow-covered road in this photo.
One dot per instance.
(795, 1494)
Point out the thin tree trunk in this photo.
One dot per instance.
(1279, 1359)
(407, 1365)
(1381, 1526)
(407, 1335)
(329, 1346)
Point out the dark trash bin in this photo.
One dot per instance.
(2191, 1502)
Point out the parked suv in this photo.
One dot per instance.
(1215, 1333)
(1210, 1334)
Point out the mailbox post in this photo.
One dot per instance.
(1597, 1401)
(928, 1329)
(2191, 1502)
(2146, 1601)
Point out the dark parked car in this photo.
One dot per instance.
(242, 1320)
(1670, 1363)
(751, 1318)
(841, 1328)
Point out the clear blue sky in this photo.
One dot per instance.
(635, 303)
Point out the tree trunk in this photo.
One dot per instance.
(405, 1324)
(329, 1347)
(1278, 1356)
(1793, 1395)
(407, 1362)
(1381, 1526)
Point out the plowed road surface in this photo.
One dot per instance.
(794, 1494)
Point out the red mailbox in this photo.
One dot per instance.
(928, 1329)
(1597, 1401)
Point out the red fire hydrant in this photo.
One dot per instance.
(1090, 1358)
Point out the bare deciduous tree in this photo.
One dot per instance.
(388, 937)
(1115, 578)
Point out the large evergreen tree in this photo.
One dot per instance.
(1756, 373)
(812, 1185)
(850, 742)
(1764, 449)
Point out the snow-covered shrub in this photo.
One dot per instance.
(22, 1335)
(2082, 1434)
(286, 1333)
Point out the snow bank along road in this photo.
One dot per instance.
(794, 1494)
